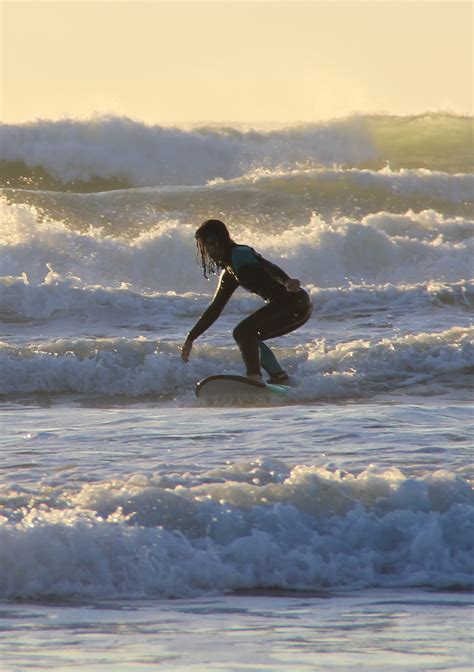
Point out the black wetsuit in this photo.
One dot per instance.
(284, 311)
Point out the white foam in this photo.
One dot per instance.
(306, 527)
(358, 367)
(139, 366)
(381, 248)
(446, 187)
(107, 366)
(66, 296)
(59, 296)
(343, 250)
(336, 301)
(108, 147)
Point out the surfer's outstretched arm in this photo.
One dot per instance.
(227, 286)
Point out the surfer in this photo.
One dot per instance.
(288, 305)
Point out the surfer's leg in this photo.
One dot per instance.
(246, 337)
(269, 362)
(274, 319)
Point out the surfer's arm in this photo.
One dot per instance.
(292, 284)
(278, 274)
(227, 286)
(255, 274)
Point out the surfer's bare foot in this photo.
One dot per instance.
(255, 376)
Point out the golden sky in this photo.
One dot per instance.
(261, 61)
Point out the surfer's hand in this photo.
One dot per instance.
(293, 285)
(186, 349)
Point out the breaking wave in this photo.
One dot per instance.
(248, 525)
(113, 152)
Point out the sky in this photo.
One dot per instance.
(186, 62)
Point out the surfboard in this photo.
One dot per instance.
(227, 388)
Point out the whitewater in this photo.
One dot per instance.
(331, 530)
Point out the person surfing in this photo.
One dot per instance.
(288, 305)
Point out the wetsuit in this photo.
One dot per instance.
(284, 311)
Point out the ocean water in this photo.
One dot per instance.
(329, 530)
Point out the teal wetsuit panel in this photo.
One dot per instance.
(268, 360)
(242, 256)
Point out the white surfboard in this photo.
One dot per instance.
(226, 388)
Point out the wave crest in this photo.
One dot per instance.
(114, 152)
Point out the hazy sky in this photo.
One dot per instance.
(175, 62)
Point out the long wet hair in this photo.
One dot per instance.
(211, 228)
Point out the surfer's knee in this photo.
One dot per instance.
(240, 333)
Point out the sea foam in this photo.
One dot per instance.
(379, 248)
(253, 525)
(140, 366)
(64, 295)
(107, 152)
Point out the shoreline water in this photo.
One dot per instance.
(408, 630)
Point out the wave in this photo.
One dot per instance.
(360, 189)
(445, 186)
(138, 366)
(380, 248)
(113, 152)
(268, 198)
(58, 296)
(361, 367)
(249, 525)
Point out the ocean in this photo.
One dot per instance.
(332, 529)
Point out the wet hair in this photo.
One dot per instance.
(211, 228)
